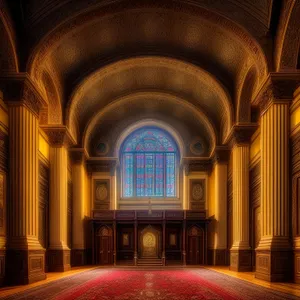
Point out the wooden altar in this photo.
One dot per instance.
(158, 237)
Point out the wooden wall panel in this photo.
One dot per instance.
(295, 211)
(3, 199)
(254, 217)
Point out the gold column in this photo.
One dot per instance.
(219, 256)
(79, 180)
(25, 257)
(59, 252)
(240, 252)
(274, 250)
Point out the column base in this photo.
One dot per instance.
(274, 265)
(59, 260)
(25, 266)
(2, 266)
(218, 257)
(241, 260)
(297, 265)
(78, 257)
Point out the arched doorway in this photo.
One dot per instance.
(195, 253)
(105, 246)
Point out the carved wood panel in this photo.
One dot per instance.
(102, 194)
(43, 204)
(254, 217)
(197, 195)
(70, 208)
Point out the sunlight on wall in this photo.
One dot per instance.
(255, 147)
(211, 193)
(3, 115)
(44, 146)
(295, 118)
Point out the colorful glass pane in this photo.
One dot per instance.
(149, 140)
(128, 175)
(170, 176)
(149, 164)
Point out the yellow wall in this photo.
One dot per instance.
(295, 118)
(3, 116)
(44, 147)
(255, 147)
(211, 193)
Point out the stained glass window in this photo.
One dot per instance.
(149, 164)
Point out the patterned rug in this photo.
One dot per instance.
(184, 284)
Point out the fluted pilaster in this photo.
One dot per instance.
(274, 247)
(79, 179)
(23, 204)
(58, 198)
(220, 235)
(59, 256)
(24, 178)
(240, 256)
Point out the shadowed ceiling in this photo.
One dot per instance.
(88, 56)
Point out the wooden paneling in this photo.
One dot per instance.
(255, 187)
(43, 204)
(70, 208)
(295, 191)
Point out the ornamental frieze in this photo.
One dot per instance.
(18, 89)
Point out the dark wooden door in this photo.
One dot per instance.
(105, 250)
(194, 250)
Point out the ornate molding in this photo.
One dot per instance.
(192, 164)
(107, 165)
(221, 155)
(18, 89)
(279, 87)
(241, 134)
(78, 155)
(59, 136)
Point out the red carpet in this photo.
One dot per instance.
(185, 284)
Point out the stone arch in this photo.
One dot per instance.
(176, 100)
(8, 52)
(243, 113)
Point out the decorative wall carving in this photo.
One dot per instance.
(102, 194)
(197, 194)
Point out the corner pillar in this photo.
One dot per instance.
(274, 253)
(240, 252)
(25, 255)
(59, 252)
(219, 251)
(79, 179)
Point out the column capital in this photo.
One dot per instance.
(221, 155)
(278, 87)
(18, 89)
(241, 134)
(78, 155)
(195, 164)
(59, 136)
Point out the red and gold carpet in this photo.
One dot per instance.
(183, 284)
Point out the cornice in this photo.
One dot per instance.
(18, 89)
(241, 134)
(221, 155)
(194, 164)
(105, 164)
(78, 155)
(278, 87)
(58, 136)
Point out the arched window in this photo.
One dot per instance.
(149, 164)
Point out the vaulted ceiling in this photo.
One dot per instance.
(102, 65)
